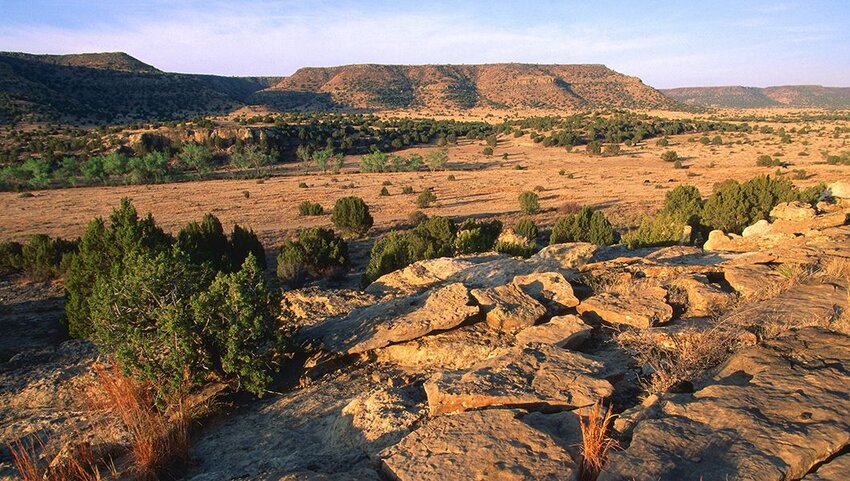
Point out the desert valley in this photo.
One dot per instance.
(500, 271)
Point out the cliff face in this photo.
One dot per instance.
(501, 86)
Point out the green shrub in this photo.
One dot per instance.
(45, 257)
(307, 208)
(488, 151)
(678, 164)
(662, 142)
(661, 230)
(425, 199)
(100, 250)
(351, 216)
(205, 241)
(514, 249)
(432, 238)
(11, 257)
(244, 241)
(384, 192)
(526, 229)
(317, 251)
(768, 161)
(587, 225)
(529, 202)
(389, 254)
(670, 156)
(734, 206)
(407, 190)
(684, 204)
(225, 326)
(302, 185)
(477, 236)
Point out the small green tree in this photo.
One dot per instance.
(317, 251)
(529, 202)
(437, 159)
(526, 228)
(587, 225)
(670, 156)
(351, 216)
(205, 242)
(426, 198)
(307, 208)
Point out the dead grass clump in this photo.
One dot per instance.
(679, 356)
(569, 208)
(595, 442)
(837, 268)
(158, 439)
(76, 461)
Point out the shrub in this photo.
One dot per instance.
(166, 324)
(451, 178)
(307, 208)
(734, 206)
(437, 159)
(417, 217)
(425, 199)
(488, 151)
(529, 202)
(11, 257)
(388, 254)
(683, 204)
(474, 237)
(611, 150)
(244, 241)
(526, 229)
(317, 251)
(100, 250)
(670, 156)
(678, 164)
(514, 249)
(302, 185)
(45, 258)
(594, 148)
(205, 242)
(587, 225)
(768, 161)
(662, 142)
(661, 230)
(384, 192)
(351, 216)
(407, 190)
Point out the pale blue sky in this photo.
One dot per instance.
(666, 43)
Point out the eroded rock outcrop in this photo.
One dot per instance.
(772, 412)
(538, 376)
(396, 320)
(491, 444)
(644, 306)
(508, 308)
(567, 332)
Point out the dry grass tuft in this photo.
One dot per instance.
(595, 442)
(75, 462)
(157, 439)
(682, 355)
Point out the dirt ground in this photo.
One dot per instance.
(625, 187)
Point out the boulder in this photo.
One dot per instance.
(418, 276)
(834, 470)
(508, 307)
(377, 419)
(704, 298)
(753, 280)
(396, 320)
(839, 190)
(644, 307)
(717, 241)
(458, 348)
(479, 445)
(566, 332)
(792, 211)
(811, 226)
(311, 305)
(761, 227)
(770, 413)
(568, 256)
(550, 288)
(536, 376)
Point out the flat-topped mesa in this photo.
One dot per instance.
(499, 86)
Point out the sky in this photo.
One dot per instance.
(666, 43)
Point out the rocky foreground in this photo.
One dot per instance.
(731, 362)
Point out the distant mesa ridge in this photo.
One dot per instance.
(115, 87)
(814, 96)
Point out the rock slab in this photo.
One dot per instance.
(538, 376)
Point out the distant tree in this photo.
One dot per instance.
(437, 159)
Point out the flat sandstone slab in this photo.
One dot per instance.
(479, 445)
(536, 376)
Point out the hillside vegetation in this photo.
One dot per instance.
(811, 96)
